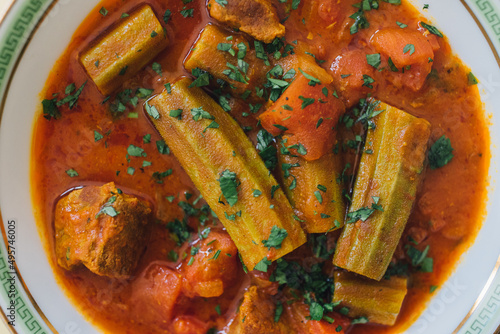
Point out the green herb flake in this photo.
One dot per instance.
(471, 79)
(401, 25)
(409, 48)
(157, 68)
(440, 153)
(432, 29)
(177, 113)
(263, 265)
(318, 196)
(275, 238)
(374, 59)
(256, 192)
(229, 186)
(187, 12)
(103, 11)
(135, 151)
(97, 136)
(162, 147)
(167, 15)
(306, 101)
(72, 173)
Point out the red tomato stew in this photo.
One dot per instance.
(254, 166)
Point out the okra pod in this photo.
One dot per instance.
(226, 168)
(229, 58)
(384, 192)
(378, 301)
(124, 50)
(314, 189)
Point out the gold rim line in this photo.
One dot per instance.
(2, 107)
(483, 31)
(2, 19)
(481, 296)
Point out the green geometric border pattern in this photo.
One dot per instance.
(16, 30)
(486, 317)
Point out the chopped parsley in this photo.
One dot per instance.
(364, 213)
(267, 150)
(157, 68)
(263, 265)
(275, 238)
(409, 48)
(306, 101)
(187, 12)
(374, 59)
(432, 29)
(440, 154)
(72, 173)
(152, 111)
(471, 79)
(167, 15)
(229, 186)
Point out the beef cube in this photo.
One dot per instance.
(256, 315)
(101, 228)
(258, 18)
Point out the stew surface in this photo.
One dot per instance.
(90, 143)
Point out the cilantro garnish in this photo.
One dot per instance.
(364, 213)
(440, 154)
(167, 15)
(266, 148)
(374, 59)
(72, 173)
(200, 113)
(306, 101)
(263, 265)
(275, 238)
(432, 29)
(229, 186)
(152, 111)
(409, 48)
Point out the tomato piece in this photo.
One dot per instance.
(307, 115)
(404, 46)
(352, 75)
(155, 293)
(186, 324)
(212, 268)
(410, 51)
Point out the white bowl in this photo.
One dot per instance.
(36, 32)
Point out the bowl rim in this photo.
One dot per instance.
(23, 18)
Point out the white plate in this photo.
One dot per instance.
(36, 32)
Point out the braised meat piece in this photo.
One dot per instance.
(258, 18)
(101, 228)
(257, 315)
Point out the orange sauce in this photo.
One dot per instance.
(448, 211)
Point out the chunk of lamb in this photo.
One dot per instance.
(257, 315)
(101, 228)
(258, 18)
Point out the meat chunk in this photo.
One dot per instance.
(256, 315)
(101, 228)
(212, 268)
(258, 18)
